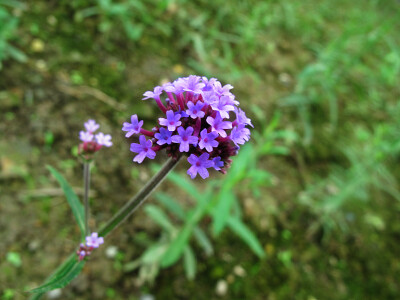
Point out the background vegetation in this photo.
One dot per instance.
(310, 209)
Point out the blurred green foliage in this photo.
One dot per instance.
(8, 26)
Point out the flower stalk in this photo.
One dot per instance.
(86, 187)
(130, 207)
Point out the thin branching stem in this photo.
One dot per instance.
(86, 187)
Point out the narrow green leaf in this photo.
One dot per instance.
(221, 211)
(72, 198)
(176, 209)
(58, 273)
(186, 186)
(63, 281)
(159, 217)
(189, 263)
(16, 54)
(169, 203)
(153, 254)
(184, 183)
(177, 246)
(238, 227)
(240, 168)
(13, 4)
(203, 241)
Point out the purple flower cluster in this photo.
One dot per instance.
(92, 241)
(92, 142)
(196, 123)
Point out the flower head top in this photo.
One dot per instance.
(91, 142)
(91, 126)
(92, 241)
(197, 123)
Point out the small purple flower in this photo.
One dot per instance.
(133, 127)
(210, 97)
(218, 125)
(103, 140)
(240, 134)
(222, 90)
(143, 148)
(155, 94)
(172, 120)
(163, 137)
(91, 126)
(218, 163)
(241, 118)
(199, 165)
(183, 114)
(94, 241)
(223, 106)
(207, 140)
(85, 136)
(82, 254)
(185, 138)
(195, 110)
(176, 87)
(192, 84)
(209, 84)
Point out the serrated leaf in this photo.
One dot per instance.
(63, 281)
(72, 198)
(238, 227)
(189, 263)
(159, 217)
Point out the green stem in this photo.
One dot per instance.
(86, 180)
(139, 198)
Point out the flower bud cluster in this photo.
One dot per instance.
(92, 241)
(91, 142)
(197, 122)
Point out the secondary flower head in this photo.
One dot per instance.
(92, 241)
(91, 143)
(201, 120)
